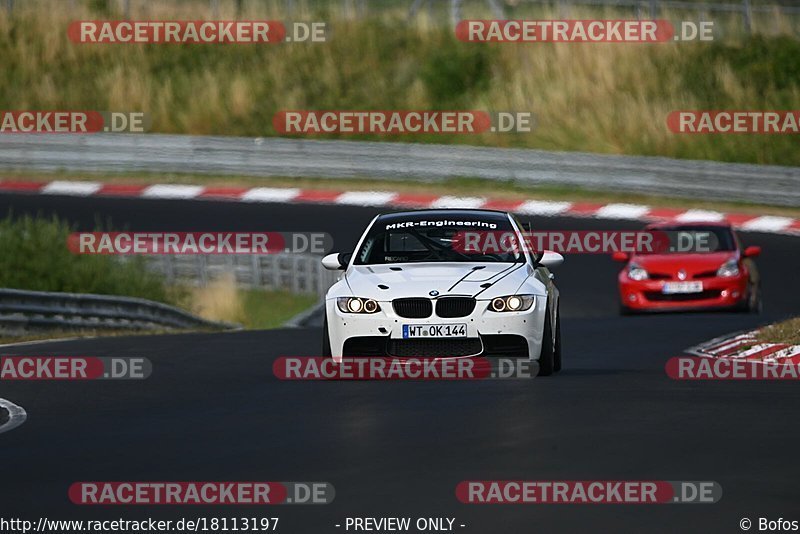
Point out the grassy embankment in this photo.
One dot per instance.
(607, 98)
(35, 257)
(784, 332)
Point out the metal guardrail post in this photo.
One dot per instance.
(414, 9)
(202, 269)
(276, 271)
(747, 16)
(255, 265)
(295, 274)
(497, 9)
(320, 289)
(170, 269)
(455, 12)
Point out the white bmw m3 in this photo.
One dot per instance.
(412, 289)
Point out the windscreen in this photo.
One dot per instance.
(431, 240)
(694, 239)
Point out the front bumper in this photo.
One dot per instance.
(488, 333)
(648, 295)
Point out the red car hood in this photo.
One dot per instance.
(691, 263)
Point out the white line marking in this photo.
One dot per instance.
(755, 349)
(788, 352)
(717, 343)
(458, 202)
(270, 194)
(768, 223)
(765, 223)
(173, 191)
(543, 207)
(41, 341)
(78, 189)
(700, 216)
(622, 211)
(366, 198)
(17, 415)
(731, 345)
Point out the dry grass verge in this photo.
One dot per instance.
(784, 332)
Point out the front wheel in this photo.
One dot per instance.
(547, 357)
(557, 353)
(326, 339)
(754, 303)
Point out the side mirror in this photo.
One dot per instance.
(551, 260)
(620, 256)
(752, 252)
(337, 261)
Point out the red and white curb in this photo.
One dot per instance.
(545, 208)
(743, 346)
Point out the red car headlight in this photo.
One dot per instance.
(729, 269)
(636, 272)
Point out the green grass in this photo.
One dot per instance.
(34, 256)
(606, 98)
(271, 309)
(784, 332)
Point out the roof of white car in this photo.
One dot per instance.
(487, 215)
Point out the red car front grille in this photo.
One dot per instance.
(657, 296)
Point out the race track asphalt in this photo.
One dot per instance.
(212, 410)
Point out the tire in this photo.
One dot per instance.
(754, 302)
(557, 353)
(326, 339)
(624, 310)
(547, 357)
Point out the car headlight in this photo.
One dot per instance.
(357, 305)
(636, 272)
(512, 303)
(728, 269)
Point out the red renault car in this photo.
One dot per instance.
(703, 267)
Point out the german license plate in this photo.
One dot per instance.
(671, 288)
(434, 330)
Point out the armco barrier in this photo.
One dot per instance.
(296, 273)
(29, 311)
(398, 161)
